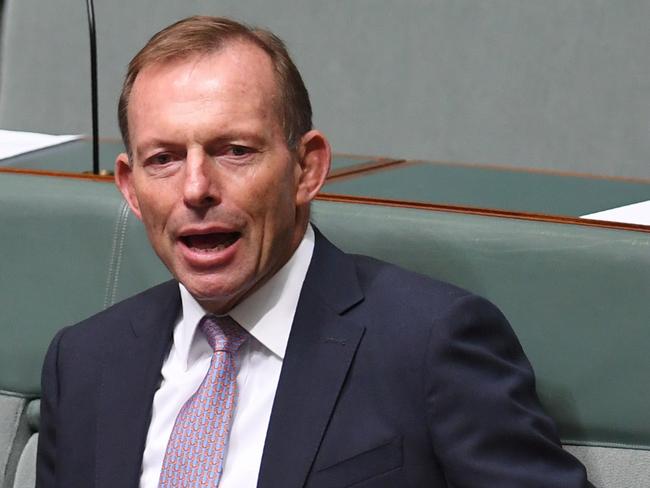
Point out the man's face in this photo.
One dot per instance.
(211, 175)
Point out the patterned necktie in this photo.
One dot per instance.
(196, 448)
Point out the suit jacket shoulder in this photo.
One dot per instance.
(99, 378)
(133, 311)
(439, 391)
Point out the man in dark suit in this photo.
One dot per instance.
(353, 372)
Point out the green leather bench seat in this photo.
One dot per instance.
(495, 188)
(576, 296)
(69, 248)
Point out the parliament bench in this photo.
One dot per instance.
(575, 294)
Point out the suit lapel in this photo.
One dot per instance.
(321, 349)
(130, 377)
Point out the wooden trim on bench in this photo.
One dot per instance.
(333, 197)
(365, 167)
(57, 174)
(366, 164)
(489, 212)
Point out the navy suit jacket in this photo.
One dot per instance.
(390, 379)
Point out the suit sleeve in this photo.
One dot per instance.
(485, 420)
(46, 454)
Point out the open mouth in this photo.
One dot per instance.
(210, 242)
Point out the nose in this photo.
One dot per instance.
(200, 183)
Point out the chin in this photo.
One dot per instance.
(212, 294)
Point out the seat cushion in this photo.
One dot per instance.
(26, 470)
(614, 468)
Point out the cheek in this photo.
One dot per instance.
(272, 213)
(267, 194)
(154, 209)
(278, 205)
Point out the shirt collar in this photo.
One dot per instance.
(267, 314)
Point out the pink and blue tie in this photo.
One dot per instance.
(196, 448)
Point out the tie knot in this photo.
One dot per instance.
(223, 333)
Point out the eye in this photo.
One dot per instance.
(163, 162)
(161, 159)
(239, 150)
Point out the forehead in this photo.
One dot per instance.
(239, 73)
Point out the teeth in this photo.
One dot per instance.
(219, 247)
(211, 242)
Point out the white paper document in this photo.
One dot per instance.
(636, 213)
(14, 142)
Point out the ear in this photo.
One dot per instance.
(315, 158)
(124, 181)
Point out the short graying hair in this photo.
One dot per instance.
(205, 35)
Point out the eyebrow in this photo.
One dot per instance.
(152, 144)
(234, 135)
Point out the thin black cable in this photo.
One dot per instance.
(93, 83)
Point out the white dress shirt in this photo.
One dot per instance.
(267, 315)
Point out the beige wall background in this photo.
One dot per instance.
(558, 84)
